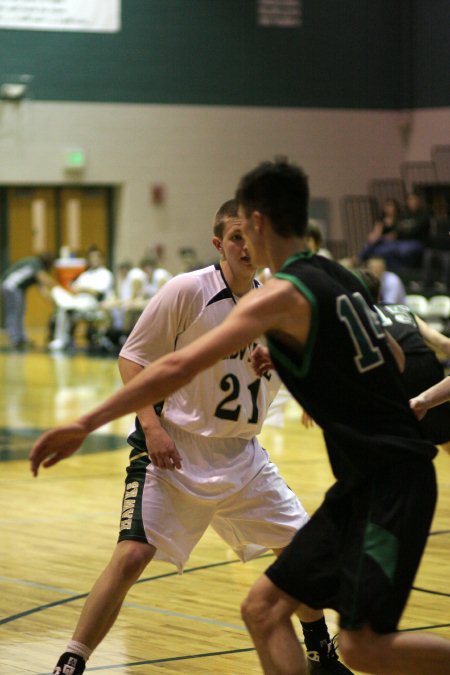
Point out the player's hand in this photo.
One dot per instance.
(418, 406)
(307, 420)
(55, 445)
(260, 360)
(162, 450)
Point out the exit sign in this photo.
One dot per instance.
(75, 159)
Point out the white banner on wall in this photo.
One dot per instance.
(96, 16)
(280, 13)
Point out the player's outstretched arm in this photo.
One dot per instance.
(435, 395)
(57, 444)
(434, 339)
(153, 384)
(251, 317)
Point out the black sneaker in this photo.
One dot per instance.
(326, 661)
(70, 664)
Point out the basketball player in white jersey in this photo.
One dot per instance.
(195, 459)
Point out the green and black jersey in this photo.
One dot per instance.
(346, 377)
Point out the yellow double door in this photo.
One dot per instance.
(44, 219)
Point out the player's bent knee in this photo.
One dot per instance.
(255, 610)
(359, 648)
(131, 557)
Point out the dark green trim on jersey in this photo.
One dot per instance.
(381, 546)
(302, 370)
(301, 255)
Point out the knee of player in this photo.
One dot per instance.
(359, 648)
(256, 610)
(131, 558)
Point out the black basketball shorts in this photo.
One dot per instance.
(360, 551)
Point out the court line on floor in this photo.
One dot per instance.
(171, 659)
(197, 568)
(431, 592)
(168, 659)
(166, 612)
(133, 605)
(80, 596)
(417, 628)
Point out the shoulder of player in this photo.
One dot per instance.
(276, 296)
(186, 283)
(284, 291)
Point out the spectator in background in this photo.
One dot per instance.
(392, 288)
(131, 283)
(416, 221)
(15, 282)
(87, 291)
(157, 276)
(314, 240)
(385, 227)
(135, 286)
(399, 238)
(189, 259)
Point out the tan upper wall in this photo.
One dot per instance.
(199, 153)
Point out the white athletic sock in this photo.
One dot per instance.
(79, 648)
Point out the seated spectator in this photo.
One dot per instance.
(135, 287)
(189, 259)
(399, 238)
(385, 227)
(15, 281)
(157, 277)
(130, 296)
(83, 299)
(415, 223)
(314, 240)
(392, 288)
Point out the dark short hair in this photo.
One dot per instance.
(279, 190)
(229, 209)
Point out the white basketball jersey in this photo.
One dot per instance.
(212, 420)
(225, 401)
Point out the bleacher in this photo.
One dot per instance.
(429, 178)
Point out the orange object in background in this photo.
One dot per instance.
(68, 269)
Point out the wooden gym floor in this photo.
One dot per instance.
(57, 532)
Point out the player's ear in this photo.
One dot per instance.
(258, 220)
(217, 243)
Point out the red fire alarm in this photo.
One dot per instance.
(157, 193)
